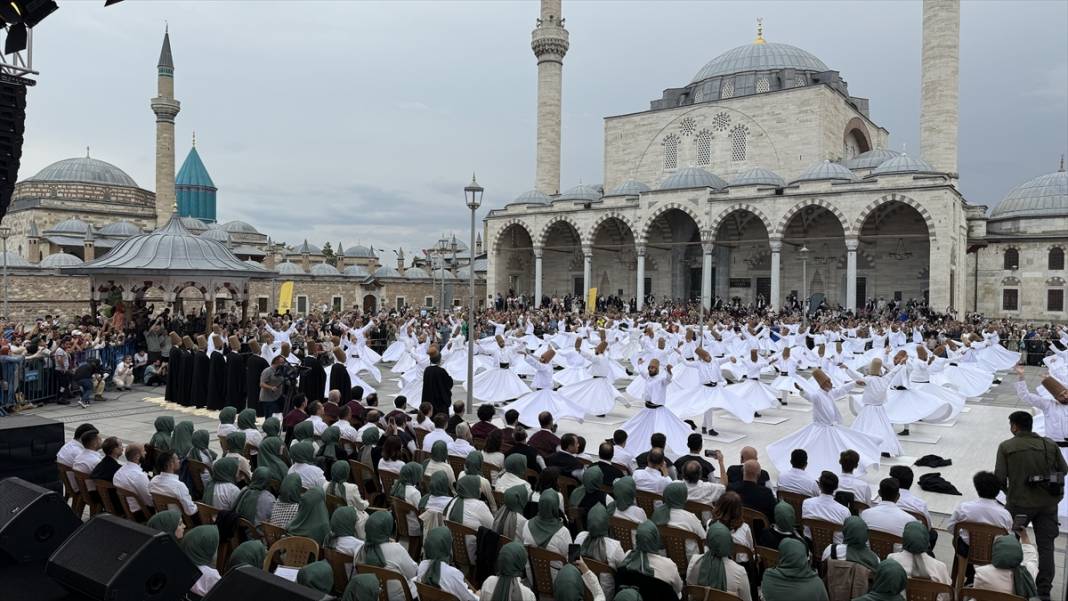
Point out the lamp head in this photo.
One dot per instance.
(473, 193)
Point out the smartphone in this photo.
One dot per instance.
(1019, 522)
(573, 553)
(714, 454)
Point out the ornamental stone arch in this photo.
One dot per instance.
(718, 218)
(505, 226)
(858, 225)
(543, 234)
(784, 221)
(603, 217)
(650, 219)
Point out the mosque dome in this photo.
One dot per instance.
(358, 252)
(120, 228)
(307, 249)
(69, 226)
(324, 269)
(356, 271)
(760, 56)
(193, 224)
(239, 227)
(631, 187)
(13, 259)
(1043, 196)
(85, 170)
(825, 171)
(60, 259)
(583, 192)
(758, 176)
(443, 274)
(416, 273)
(871, 159)
(288, 268)
(692, 177)
(386, 271)
(903, 163)
(216, 235)
(531, 197)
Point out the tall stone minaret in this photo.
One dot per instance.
(166, 109)
(939, 87)
(549, 41)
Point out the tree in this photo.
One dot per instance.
(328, 252)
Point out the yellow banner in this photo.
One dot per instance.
(591, 300)
(285, 297)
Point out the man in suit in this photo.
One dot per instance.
(605, 455)
(755, 495)
(545, 440)
(734, 472)
(437, 384)
(534, 461)
(566, 458)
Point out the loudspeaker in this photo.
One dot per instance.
(250, 582)
(112, 559)
(28, 448)
(34, 521)
(12, 126)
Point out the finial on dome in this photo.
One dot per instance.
(760, 31)
(194, 138)
(1062, 164)
(86, 152)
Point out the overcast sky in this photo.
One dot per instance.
(361, 122)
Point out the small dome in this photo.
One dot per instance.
(324, 269)
(692, 177)
(356, 271)
(14, 260)
(871, 159)
(1043, 196)
(758, 176)
(124, 229)
(443, 274)
(762, 56)
(69, 226)
(414, 273)
(216, 235)
(306, 249)
(239, 227)
(903, 164)
(288, 268)
(193, 224)
(825, 171)
(60, 259)
(531, 197)
(84, 169)
(359, 252)
(631, 187)
(582, 192)
(386, 271)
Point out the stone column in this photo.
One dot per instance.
(851, 273)
(587, 270)
(723, 272)
(640, 288)
(538, 252)
(706, 274)
(776, 285)
(549, 41)
(939, 85)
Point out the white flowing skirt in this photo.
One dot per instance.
(756, 393)
(356, 380)
(691, 402)
(596, 395)
(413, 392)
(496, 385)
(533, 403)
(571, 375)
(824, 443)
(999, 357)
(651, 421)
(872, 420)
(394, 352)
(923, 402)
(967, 379)
(786, 383)
(361, 364)
(403, 364)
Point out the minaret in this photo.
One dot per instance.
(33, 243)
(939, 87)
(166, 109)
(549, 41)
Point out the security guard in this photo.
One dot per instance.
(1031, 471)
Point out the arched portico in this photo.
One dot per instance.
(516, 256)
(742, 256)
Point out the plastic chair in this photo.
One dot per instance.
(674, 541)
(700, 509)
(822, 533)
(359, 474)
(856, 507)
(919, 589)
(384, 576)
(197, 469)
(919, 517)
(541, 561)
(271, 533)
(488, 469)
(693, 592)
(162, 502)
(388, 479)
(88, 499)
(795, 500)
(292, 552)
(622, 530)
(979, 594)
(103, 489)
(769, 558)
(980, 548)
(752, 517)
(459, 546)
(647, 501)
(206, 513)
(401, 510)
(334, 502)
(124, 500)
(882, 543)
(430, 593)
(339, 564)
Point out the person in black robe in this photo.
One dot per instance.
(201, 369)
(437, 384)
(339, 376)
(313, 380)
(254, 366)
(171, 391)
(184, 380)
(216, 397)
(235, 374)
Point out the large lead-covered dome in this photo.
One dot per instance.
(760, 56)
(84, 169)
(1043, 196)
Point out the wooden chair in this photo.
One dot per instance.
(882, 543)
(541, 561)
(739, 550)
(531, 476)
(249, 451)
(459, 547)
(197, 469)
(165, 502)
(498, 496)
(754, 517)
(700, 509)
(919, 517)
(420, 434)
(359, 474)
(623, 468)
(488, 469)
(88, 498)
(598, 567)
(576, 518)
(334, 502)
(622, 530)
(822, 534)
(919, 589)
(692, 592)
(385, 576)
(421, 456)
(206, 513)
(980, 548)
(401, 510)
(858, 506)
(795, 500)
(124, 499)
(292, 552)
(103, 490)
(430, 593)
(388, 479)
(70, 495)
(225, 446)
(339, 564)
(566, 484)
(674, 541)
(457, 464)
(647, 501)
(478, 442)
(769, 558)
(271, 533)
(978, 594)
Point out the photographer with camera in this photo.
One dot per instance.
(1030, 469)
(271, 380)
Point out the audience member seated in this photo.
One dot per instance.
(656, 442)
(303, 456)
(735, 473)
(755, 496)
(436, 570)
(312, 519)
(255, 502)
(109, 465)
(855, 545)
(339, 486)
(345, 531)
(492, 455)
(514, 474)
(574, 581)
(221, 492)
(131, 477)
(462, 445)
(654, 476)
(288, 502)
(484, 426)
(317, 576)
(886, 516)
(545, 441)
(984, 510)
(605, 461)
(646, 559)
(89, 457)
(169, 521)
(534, 461)
(596, 543)
(672, 512)
(914, 558)
(620, 453)
(889, 583)
(235, 444)
(468, 509)
(438, 433)
(796, 479)
(715, 568)
(511, 569)
(623, 491)
(729, 513)
(566, 457)
(456, 418)
(908, 501)
(473, 467)
(438, 496)
(784, 526)
(406, 488)
(793, 578)
(246, 422)
(393, 458)
(589, 493)
(424, 420)
(847, 482)
(167, 483)
(201, 545)
(315, 416)
(694, 442)
(546, 530)
(378, 550)
(824, 507)
(1013, 569)
(304, 432)
(227, 415)
(439, 462)
(249, 553)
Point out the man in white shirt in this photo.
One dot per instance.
(438, 433)
(461, 446)
(824, 507)
(315, 416)
(373, 417)
(132, 478)
(349, 434)
(89, 457)
(908, 501)
(796, 479)
(849, 460)
(653, 477)
(70, 451)
(620, 455)
(985, 509)
(886, 516)
(167, 483)
(700, 490)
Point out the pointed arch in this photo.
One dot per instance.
(609, 215)
(784, 221)
(543, 234)
(504, 227)
(647, 225)
(718, 218)
(858, 225)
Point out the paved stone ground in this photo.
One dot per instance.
(970, 442)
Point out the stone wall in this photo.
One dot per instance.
(36, 293)
(1032, 280)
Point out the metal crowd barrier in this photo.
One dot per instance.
(36, 380)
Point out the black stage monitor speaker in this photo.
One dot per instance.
(112, 559)
(249, 582)
(28, 447)
(34, 521)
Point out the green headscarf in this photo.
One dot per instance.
(1008, 555)
(411, 474)
(379, 528)
(674, 498)
(592, 479)
(235, 441)
(515, 502)
(516, 465)
(249, 553)
(889, 584)
(201, 544)
(161, 440)
(793, 577)
(317, 575)
(855, 535)
(246, 420)
(623, 491)
(270, 456)
(628, 593)
(329, 439)
(227, 415)
(544, 525)
(568, 585)
(785, 518)
(290, 488)
(182, 439)
(166, 521)
(473, 464)
(439, 452)
(304, 431)
(223, 472)
(596, 531)
(646, 541)
(511, 566)
(272, 427)
(437, 548)
(370, 436)
(362, 587)
(439, 487)
(712, 570)
(312, 519)
(917, 540)
(343, 521)
(201, 439)
(467, 487)
(249, 498)
(339, 475)
(302, 452)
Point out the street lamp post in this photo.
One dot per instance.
(5, 233)
(473, 194)
(804, 283)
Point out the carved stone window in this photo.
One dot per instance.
(704, 147)
(671, 151)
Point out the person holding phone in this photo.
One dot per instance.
(574, 579)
